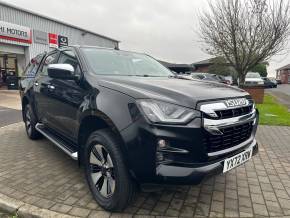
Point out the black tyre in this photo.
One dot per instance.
(30, 122)
(106, 173)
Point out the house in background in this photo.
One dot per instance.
(283, 74)
(203, 66)
(178, 68)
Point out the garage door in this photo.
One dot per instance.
(15, 49)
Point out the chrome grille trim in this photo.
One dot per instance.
(229, 121)
(211, 108)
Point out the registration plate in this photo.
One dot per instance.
(237, 160)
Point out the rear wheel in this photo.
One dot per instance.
(107, 176)
(30, 122)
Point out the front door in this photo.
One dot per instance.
(67, 98)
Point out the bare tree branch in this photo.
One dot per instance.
(245, 32)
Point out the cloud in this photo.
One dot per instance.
(164, 29)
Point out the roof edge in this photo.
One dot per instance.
(55, 20)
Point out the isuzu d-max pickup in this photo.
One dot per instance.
(128, 120)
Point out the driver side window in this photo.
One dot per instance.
(50, 59)
(69, 57)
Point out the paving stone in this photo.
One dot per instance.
(102, 214)
(282, 194)
(62, 208)
(260, 209)
(77, 211)
(285, 203)
(270, 196)
(218, 196)
(231, 213)
(257, 198)
(43, 203)
(172, 212)
(217, 206)
(231, 204)
(202, 209)
(245, 211)
(245, 202)
(215, 214)
(231, 194)
(176, 204)
(187, 211)
(161, 207)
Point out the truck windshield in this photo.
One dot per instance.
(122, 63)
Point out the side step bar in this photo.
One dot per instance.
(57, 141)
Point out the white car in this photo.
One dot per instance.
(253, 79)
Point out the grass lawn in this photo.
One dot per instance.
(273, 113)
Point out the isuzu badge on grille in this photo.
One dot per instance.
(236, 102)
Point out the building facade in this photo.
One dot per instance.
(283, 74)
(24, 34)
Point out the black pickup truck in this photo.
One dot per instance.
(130, 121)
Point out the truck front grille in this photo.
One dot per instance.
(231, 137)
(235, 112)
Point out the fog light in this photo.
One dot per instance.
(162, 143)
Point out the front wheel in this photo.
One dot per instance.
(106, 173)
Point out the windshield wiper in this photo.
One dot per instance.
(178, 77)
(146, 75)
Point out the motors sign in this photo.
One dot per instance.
(14, 32)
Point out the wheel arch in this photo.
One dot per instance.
(93, 121)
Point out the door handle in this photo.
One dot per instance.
(36, 83)
(50, 87)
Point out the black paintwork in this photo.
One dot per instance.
(111, 100)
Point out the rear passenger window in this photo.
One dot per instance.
(28, 70)
(32, 67)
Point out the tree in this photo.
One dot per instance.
(245, 32)
(261, 69)
(220, 67)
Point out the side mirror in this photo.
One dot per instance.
(61, 71)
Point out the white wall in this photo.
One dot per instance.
(75, 36)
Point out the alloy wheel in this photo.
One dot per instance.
(28, 122)
(102, 171)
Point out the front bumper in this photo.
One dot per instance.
(188, 175)
(188, 163)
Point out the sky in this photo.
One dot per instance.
(165, 29)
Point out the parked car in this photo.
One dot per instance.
(207, 77)
(269, 82)
(229, 79)
(12, 80)
(254, 79)
(130, 121)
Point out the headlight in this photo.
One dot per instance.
(162, 112)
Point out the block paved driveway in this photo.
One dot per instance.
(37, 173)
